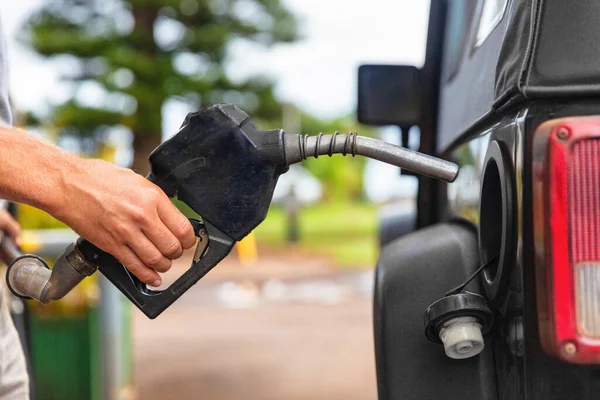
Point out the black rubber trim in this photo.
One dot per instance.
(495, 285)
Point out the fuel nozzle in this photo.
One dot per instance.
(300, 147)
(225, 169)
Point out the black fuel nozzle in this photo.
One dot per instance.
(225, 169)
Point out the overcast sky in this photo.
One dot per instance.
(317, 73)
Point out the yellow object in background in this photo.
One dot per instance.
(30, 242)
(247, 250)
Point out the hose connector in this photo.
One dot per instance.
(29, 276)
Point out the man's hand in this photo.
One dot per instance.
(127, 216)
(117, 210)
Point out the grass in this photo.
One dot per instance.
(346, 232)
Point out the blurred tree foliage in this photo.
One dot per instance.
(132, 56)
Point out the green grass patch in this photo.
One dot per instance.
(344, 231)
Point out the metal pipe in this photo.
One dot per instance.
(299, 147)
(111, 328)
(29, 276)
(407, 159)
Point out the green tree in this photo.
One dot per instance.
(138, 54)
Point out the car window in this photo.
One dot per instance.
(491, 14)
(458, 21)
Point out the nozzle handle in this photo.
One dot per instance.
(153, 302)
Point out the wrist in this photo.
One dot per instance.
(61, 177)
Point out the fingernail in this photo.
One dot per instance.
(157, 283)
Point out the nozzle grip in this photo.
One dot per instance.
(153, 302)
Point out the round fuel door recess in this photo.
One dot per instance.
(497, 221)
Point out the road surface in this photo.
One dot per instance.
(288, 329)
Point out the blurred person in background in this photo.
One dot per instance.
(119, 211)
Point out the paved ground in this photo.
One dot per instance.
(288, 329)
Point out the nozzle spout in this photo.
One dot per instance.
(300, 147)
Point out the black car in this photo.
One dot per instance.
(510, 90)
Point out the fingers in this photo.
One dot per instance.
(9, 225)
(148, 253)
(177, 223)
(164, 240)
(133, 263)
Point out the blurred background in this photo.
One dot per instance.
(287, 315)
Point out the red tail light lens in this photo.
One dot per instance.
(566, 211)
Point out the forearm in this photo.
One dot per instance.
(32, 170)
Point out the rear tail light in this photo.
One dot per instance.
(566, 212)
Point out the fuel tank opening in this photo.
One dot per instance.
(496, 221)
